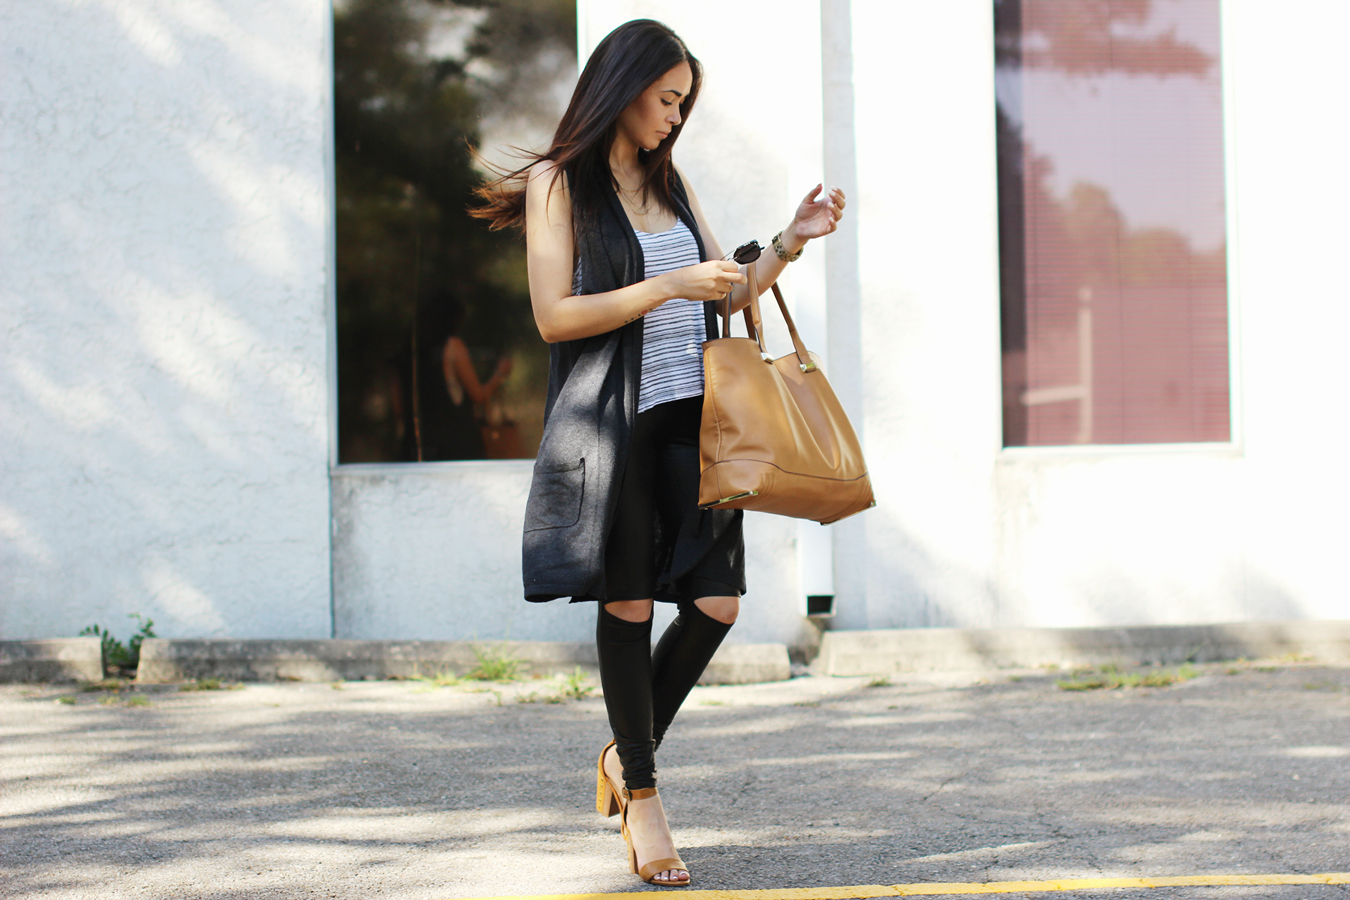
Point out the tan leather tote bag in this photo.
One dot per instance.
(774, 438)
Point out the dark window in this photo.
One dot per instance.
(432, 308)
(1112, 224)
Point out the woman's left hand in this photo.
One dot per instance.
(818, 214)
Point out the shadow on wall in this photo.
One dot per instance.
(164, 382)
(433, 552)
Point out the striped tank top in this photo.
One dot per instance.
(674, 332)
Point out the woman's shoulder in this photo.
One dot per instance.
(546, 185)
(547, 175)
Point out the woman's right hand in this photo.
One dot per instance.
(710, 280)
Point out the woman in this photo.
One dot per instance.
(623, 272)
(442, 424)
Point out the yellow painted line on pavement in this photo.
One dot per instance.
(870, 891)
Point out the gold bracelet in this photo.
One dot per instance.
(782, 251)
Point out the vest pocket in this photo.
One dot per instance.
(555, 496)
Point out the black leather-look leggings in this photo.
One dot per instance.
(644, 690)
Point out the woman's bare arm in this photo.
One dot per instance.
(816, 216)
(562, 315)
(455, 359)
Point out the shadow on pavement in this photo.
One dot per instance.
(388, 789)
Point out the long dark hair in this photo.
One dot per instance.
(627, 62)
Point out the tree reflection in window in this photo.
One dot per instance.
(438, 356)
(1112, 223)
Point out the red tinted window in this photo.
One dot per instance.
(1112, 227)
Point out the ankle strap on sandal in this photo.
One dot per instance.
(639, 794)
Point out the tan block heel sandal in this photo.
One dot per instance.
(650, 870)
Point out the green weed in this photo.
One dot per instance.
(116, 699)
(118, 657)
(576, 686)
(495, 665)
(210, 684)
(1110, 678)
(114, 685)
(881, 682)
(440, 680)
(569, 687)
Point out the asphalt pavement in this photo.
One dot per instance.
(406, 789)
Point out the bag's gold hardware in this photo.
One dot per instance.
(766, 357)
(808, 367)
(864, 509)
(740, 496)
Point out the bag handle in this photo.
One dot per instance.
(754, 323)
(751, 312)
(803, 356)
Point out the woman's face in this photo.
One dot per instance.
(649, 119)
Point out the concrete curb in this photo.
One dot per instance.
(748, 664)
(56, 659)
(171, 660)
(928, 649)
(841, 653)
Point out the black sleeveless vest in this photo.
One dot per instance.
(588, 419)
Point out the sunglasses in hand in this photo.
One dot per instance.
(746, 253)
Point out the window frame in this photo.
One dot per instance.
(335, 465)
(1235, 445)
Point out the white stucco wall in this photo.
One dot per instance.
(1290, 190)
(163, 384)
(165, 387)
(1246, 532)
(967, 534)
(928, 263)
(432, 551)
